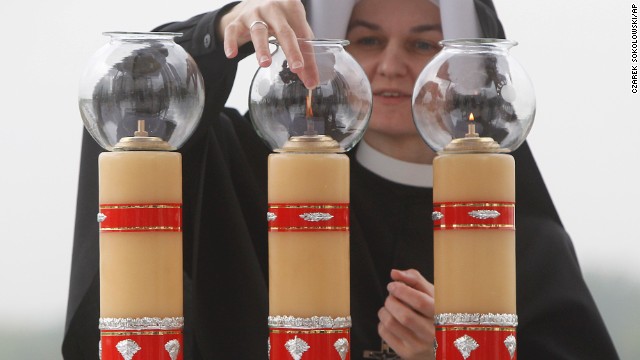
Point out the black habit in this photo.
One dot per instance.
(225, 238)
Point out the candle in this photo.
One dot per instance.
(141, 310)
(309, 304)
(474, 248)
(308, 195)
(474, 196)
(475, 264)
(143, 77)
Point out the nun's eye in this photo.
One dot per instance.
(369, 41)
(423, 46)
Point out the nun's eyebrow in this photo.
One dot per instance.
(426, 27)
(363, 23)
(374, 27)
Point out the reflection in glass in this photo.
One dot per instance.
(141, 76)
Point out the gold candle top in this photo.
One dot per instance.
(141, 141)
(472, 142)
(311, 144)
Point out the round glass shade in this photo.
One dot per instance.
(141, 76)
(338, 108)
(474, 84)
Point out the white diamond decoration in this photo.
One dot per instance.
(101, 217)
(465, 344)
(296, 347)
(510, 343)
(437, 215)
(316, 216)
(173, 348)
(484, 214)
(435, 347)
(128, 348)
(342, 347)
(271, 216)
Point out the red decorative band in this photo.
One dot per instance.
(309, 344)
(141, 344)
(475, 342)
(140, 217)
(308, 217)
(474, 215)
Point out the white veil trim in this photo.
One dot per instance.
(329, 18)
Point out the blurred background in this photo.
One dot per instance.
(577, 53)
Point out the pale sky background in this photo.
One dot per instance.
(577, 53)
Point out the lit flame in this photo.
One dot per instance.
(472, 126)
(309, 111)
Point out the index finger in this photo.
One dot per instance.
(309, 75)
(417, 300)
(291, 33)
(414, 279)
(300, 57)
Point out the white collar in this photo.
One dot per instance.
(398, 171)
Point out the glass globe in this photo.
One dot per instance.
(141, 76)
(284, 111)
(474, 86)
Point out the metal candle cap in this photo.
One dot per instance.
(142, 142)
(314, 143)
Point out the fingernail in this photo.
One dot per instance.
(296, 65)
(228, 52)
(264, 59)
(391, 286)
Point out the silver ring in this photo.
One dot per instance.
(258, 22)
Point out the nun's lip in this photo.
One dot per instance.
(391, 97)
(391, 92)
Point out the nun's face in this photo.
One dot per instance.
(393, 41)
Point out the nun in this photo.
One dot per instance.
(225, 195)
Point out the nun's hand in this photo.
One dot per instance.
(406, 320)
(256, 20)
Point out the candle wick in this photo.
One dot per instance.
(141, 131)
(309, 115)
(471, 131)
(471, 128)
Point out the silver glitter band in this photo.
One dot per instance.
(315, 322)
(316, 216)
(476, 319)
(484, 214)
(145, 323)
